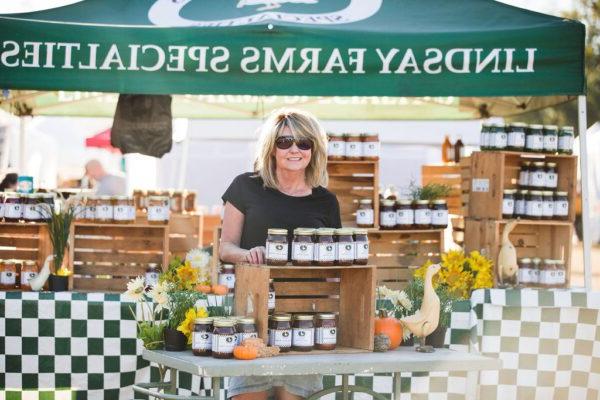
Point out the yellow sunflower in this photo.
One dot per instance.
(454, 258)
(187, 326)
(457, 279)
(479, 262)
(420, 272)
(187, 275)
(484, 279)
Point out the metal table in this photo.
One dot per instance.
(404, 359)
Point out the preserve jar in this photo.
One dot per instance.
(8, 275)
(439, 214)
(13, 207)
(551, 176)
(536, 264)
(30, 207)
(524, 174)
(158, 210)
(223, 339)
(508, 203)
(152, 274)
(354, 147)
(484, 138)
(202, 337)
(422, 214)
(534, 141)
(1, 206)
(139, 197)
(280, 332)
(277, 247)
(365, 217)
(78, 208)
(566, 137)
(176, 201)
(561, 276)
(124, 210)
(405, 215)
(546, 275)
(561, 206)
(104, 210)
(303, 248)
(271, 300)
(520, 203)
(361, 245)
(90, 208)
(550, 139)
(387, 215)
(190, 201)
(303, 333)
(227, 277)
(371, 146)
(548, 205)
(525, 271)
(29, 271)
(336, 147)
(325, 247)
(499, 139)
(537, 176)
(516, 136)
(325, 332)
(245, 329)
(345, 249)
(534, 205)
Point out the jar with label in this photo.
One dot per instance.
(566, 137)
(13, 207)
(189, 201)
(534, 205)
(370, 146)
(176, 201)
(223, 339)
(439, 214)
(202, 337)
(561, 273)
(325, 247)
(124, 210)
(303, 248)
(158, 210)
(271, 300)
(520, 203)
(104, 210)
(280, 332)
(354, 147)
(29, 271)
(277, 247)
(345, 248)
(536, 265)
(537, 176)
(561, 206)
(90, 208)
(325, 332)
(361, 245)
(550, 139)
(516, 136)
(484, 138)
(405, 215)
(365, 217)
(152, 273)
(1, 206)
(78, 208)
(499, 138)
(303, 333)
(30, 207)
(8, 275)
(548, 205)
(245, 329)
(534, 141)
(422, 215)
(336, 147)
(546, 277)
(139, 199)
(387, 215)
(227, 277)
(551, 176)
(508, 203)
(524, 174)
(524, 273)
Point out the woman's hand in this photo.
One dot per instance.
(256, 255)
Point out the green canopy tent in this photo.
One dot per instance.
(500, 59)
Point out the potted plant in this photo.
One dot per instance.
(431, 191)
(153, 301)
(59, 229)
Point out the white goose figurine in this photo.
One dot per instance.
(38, 282)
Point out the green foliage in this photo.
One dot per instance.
(415, 291)
(179, 303)
(151, 334)
(431, 191)
(59, 228)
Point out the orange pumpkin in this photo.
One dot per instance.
(245, 352)
(203, 288)
(220, 290)
(390, 327)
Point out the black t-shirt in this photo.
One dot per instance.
(265, 208)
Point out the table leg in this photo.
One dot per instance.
(173, 381)
(472, 385)
(397, 386)
(216, 388)
(345, 392)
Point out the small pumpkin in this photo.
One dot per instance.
(390, 327)
(245, 352)
(203, 288)
(220, 290)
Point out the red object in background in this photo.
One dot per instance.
(102, 141)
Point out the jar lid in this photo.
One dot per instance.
(152, 265)
(388, 202)
(9, 262)
(404, 202)
(11, 194)
(539, 164)
(509, 191)
(303, 317)
(536, 192)
(246, 320)
(366, 201)
(548, 261)
(439, 201)
(207, 320)
(335, 134)
(325, 316)
(344, 231)
(517, 125)
(551, 164)
(121, 197)
(536, 126)
(275, 231)
(353, 134)
(559, 262)
(561, 193)
(498, 125)
(227, 266)
(551, 127)
(526, 163)
(547, 193)
(423, 202)
(360, 231)
(325, 231)
(524, 191)
(282, 317)
(536, 260)
(30, 263)
(525, 260)
(369, 134)
(224, 323)
(486, 124)
(567, 129)
(304, 231)
(105, 198)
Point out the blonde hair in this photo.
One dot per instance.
(302, 126)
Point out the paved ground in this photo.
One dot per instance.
(577, 264)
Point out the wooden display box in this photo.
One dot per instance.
(25, 242)
(543, 239)
(185, 233)
(348, 292)
(106, 256)
(445, 174)
(494, 171)
(397, 253)
(352, 181)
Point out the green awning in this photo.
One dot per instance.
(468, 48)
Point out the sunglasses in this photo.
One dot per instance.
(285, 142)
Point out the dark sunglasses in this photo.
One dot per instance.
(285, 142)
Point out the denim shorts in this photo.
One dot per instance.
(300, 385)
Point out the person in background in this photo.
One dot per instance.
(106, 184)
(9, 183)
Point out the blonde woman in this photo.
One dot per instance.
(286, 190)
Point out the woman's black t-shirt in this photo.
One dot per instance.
(265, 208)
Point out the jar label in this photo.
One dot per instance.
(548, 210)
(151, 278)
(524, 178)
(362, 250)
(560, 277)
(550, 142)
(227, 280)
(303, 251)
(565, 143)
(551, 180)
(364, 217)
(104, 212)
(223, 343)
(508, 206)
(271, 301)
(124, 213)
(535, 142)
(303, 337)
(405, 217)
(439, 217)
(325, 252)
(280, 338)
(27, 276)
(537, 179)
(241, 336)
(354, 149)
(561, 208)
(545, 278)
(371, 149)
(30, 212)
(534, 276)
(336, 148)
(326, 335)
(2, 210)
(13, 211)
(8, 278)
(524, 275)
(387, 218)
(345, 251)
(483, 139)
(516, 139)
(520, 207)
(202, 341)
(500, 140)
(158, 213)
(78, 212)
(90, 212)
(423, 217)
(534, 208)
(277, 251)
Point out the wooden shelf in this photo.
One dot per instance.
(539, 222)
(349, 162)
(315, 267)
(525, 154)
(108, 225)
(395, 231)
(23, 224)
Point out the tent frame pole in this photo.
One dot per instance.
(585, 191)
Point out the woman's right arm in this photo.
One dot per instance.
(231, 234)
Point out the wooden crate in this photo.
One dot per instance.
(348, 292)
(446, 174)
(352, 181)
(185, 233)
(106, 256)
(500, 170)
(544, 239)
(25, 242)
(396, 253)
(211, 222)
(465, 185)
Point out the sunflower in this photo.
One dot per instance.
(478, 262)
(422, 270)
(454, 258)
(187, 326)
(456, 278)
(187, 275)
(483, 279)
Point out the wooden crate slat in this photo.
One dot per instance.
(303, 273)
(404, 248)
(20, 229)
(119, 270)
(357, 303)
(311, 289)
(393, 274)
(100, 285)
(306, 305)
(350, 169)
(392, 260)
(30, 255)
(19, 241)
(119, 243)
(144, 231)
(116, 258)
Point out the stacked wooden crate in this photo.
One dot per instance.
(24, 242)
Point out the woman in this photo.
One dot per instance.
(286, 190)
(9, 182)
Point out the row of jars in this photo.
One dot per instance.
(323, 246)
(30, 207)
(119, 209)
(353, 146)
(535, 204)
(406, 214)
(15, 274)
(538, 175)
(179, 200)
(546, 273)
(518, 136)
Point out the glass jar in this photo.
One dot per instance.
(152, 273)
(524, 174)
(534, 205)
(525, 271)
(521, 203)
(202, 337)
(345, 248)
(551, 176)
(1, 206)
(508, 203)
(303, 333)
(354, 147)
(387, 215)
(271, 300)
(534, 278)
(566, 137)
(223, 339)
(422, 214)
(29, 271)
(30, 207)
(365, 217)
(190, 201)
(139, 197)
(176, 201)
(516, 136)
(325, 247)
(123, 210)
(550, 139)
(547, 273)
(245, 329)
(227, 277)
(537, 176)
(439, 214)
(336, 147)
(104, 210)
(303, 247)
(158, 210)
(484, 138)
(277, 247)
(561, 273)
(405, 215)
(325, 332)
(499, 139)
(13, 207)
(561, 206)
(280, 332)
(90, 208)
(371, 146)
(534, 141)
(8, 275)
(361, 245)
(548, 205)
(78, 210)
